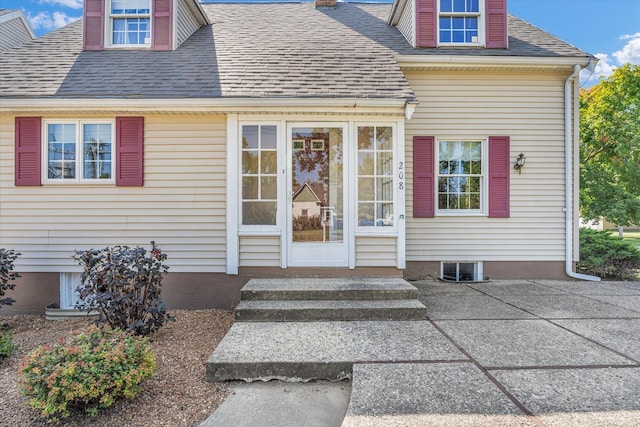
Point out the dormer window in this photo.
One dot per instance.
(459, 22)
(446, 23)
(130, 22)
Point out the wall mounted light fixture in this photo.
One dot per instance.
(520, 161)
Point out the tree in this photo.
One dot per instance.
(610, 148)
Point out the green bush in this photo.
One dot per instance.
(86, 372)
(6, 342)
(7, 275)
(123, 285)
(608, 256)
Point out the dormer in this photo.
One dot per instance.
(452, 23)
(140, 24)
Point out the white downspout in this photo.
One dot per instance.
(568, 178)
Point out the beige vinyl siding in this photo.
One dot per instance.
(376, 251)
(186, 24)
(406, 23)
(181, 206)
(529, 108)
(260, 251)
(13, 33)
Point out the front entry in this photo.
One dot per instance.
(318, 195)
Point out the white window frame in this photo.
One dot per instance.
(484, 184)
(108, 37)
(481, 24)
(398, 176)
(79, 151)
(261, 229)
(478, 270)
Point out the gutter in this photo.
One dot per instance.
(207, 105)
(568, 178)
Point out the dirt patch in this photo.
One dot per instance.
(177, 395)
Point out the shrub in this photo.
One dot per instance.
(608, 256)
(123, 285)
(86, 372)
(7, 275)
(6, 342)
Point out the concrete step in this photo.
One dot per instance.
(302, 351)
(329, 310)
(351, 288)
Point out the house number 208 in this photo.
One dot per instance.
(401, 175)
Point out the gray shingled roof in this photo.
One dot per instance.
(251, 50)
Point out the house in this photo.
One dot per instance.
(178, 121)
(14, 29)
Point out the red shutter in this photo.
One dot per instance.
(496, 19)
(161, 25)
(28, 151)
(129, 151)
(426, 23)
(499, 170)
(93, 25)
(423, 177)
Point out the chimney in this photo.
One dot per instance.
(325, 4)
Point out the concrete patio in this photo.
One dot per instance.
(550, 353)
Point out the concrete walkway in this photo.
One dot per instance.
(532, 353)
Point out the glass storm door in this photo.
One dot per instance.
(317, 197)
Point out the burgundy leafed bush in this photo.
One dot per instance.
(123, 285)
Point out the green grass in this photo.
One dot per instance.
(633, 237)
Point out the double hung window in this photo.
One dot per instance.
(375, 176)
(259, 175)
(79, 151)
(459, 21)
(130, 22)
(460, 176)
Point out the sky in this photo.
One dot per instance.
(608, 29)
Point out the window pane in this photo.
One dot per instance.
(384, 213)
(269, 187)
(259, 213)
(466, 271)
(384, 138)
(446, 5)
(61, 151)
(474, 201)
(365, 163)
(450, 271)
(365, 138)
(459, 5)
(268, 137)
(249, 136)
(474, 184)
(384, 189)
(250, 162)
(97, 151)
(250, 187)
(268, 162)
(365, 189)
(130, 6)
(458, 36)
(365, 214)
(385, 163)
(443, 201)
(454, 202)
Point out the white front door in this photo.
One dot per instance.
(317, 210)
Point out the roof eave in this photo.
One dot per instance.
(385, 106)
(396, 11)
(197, 9)
(491, 62)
